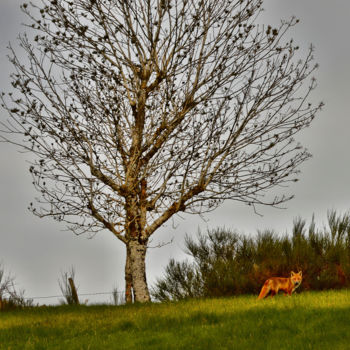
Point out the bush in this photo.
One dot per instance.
(69, 293)
(10, 298)
(225, 263)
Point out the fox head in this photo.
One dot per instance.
(296, 278)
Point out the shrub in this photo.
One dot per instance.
(10, 298)
(69, 293)
(225, 263)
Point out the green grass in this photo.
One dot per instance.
(317, 320)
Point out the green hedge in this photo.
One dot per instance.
(224, 262)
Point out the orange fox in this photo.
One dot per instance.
(287, 285)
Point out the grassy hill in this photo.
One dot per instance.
(315, 320)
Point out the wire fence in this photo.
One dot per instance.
(117, 297)
(79, 294)
(9, 292)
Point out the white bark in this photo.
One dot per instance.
(138, 271)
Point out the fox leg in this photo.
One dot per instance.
(273, 293)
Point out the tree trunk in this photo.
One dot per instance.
(138, 271)
(128, 278)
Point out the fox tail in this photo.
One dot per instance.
(264, 290)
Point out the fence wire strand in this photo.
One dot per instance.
(82, 294)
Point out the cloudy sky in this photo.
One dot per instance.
(37, 251)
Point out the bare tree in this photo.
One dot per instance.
(136, 110)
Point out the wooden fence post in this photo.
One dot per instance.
(73, 290)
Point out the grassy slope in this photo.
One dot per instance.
(304, 321)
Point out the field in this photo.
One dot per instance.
(314, 320)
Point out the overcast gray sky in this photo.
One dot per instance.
(36, 251)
